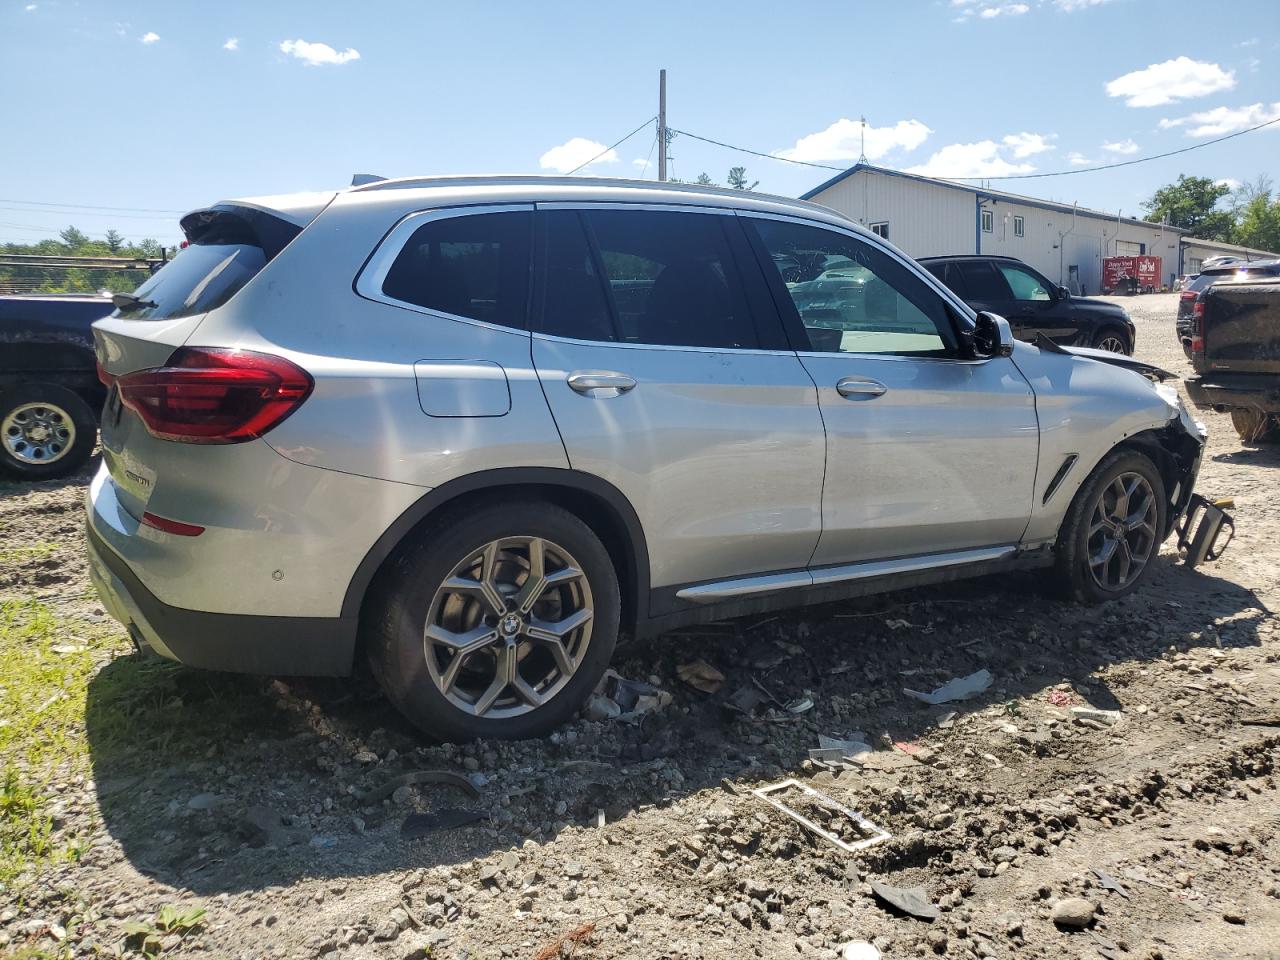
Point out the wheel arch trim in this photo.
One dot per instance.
(635, 570)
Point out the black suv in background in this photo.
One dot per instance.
(1032, 304)
(1191, 299)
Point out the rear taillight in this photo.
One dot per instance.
(209, 395)
(1197, 325)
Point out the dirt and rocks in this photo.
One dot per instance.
(1145, 825)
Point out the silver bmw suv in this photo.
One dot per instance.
(473, 429)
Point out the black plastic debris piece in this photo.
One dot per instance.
(909, 900)
(420, 824)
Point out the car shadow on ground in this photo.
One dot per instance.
(1262, 455)
(217, 783)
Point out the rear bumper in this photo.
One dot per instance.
(1240, 392)
(240, 643)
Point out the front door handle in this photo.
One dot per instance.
(600, 384)
(858, 388)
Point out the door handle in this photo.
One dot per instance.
(593, 384)
(856, 388)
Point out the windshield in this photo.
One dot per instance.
(1204, 280)
(200, 278)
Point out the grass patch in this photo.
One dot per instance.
(34, 551)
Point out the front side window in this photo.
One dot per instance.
(982, 281)
(474, 266)
(988, 221)
(646, 277)
(1019, 227)
(852, 297)
(1024, 284)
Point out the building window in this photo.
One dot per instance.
(881, 229)
(987, 220)
(1019, 227)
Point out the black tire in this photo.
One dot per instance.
(405, 598)
(1254, 426)
(17, 456)
(1113, 334)
(1073, 570)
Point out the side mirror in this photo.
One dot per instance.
(992, 336)
(1061, 293)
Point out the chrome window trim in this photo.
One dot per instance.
(619, 344)
(624, 205)
(373, 274)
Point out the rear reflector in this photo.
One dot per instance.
(171, 526)
(212, 395)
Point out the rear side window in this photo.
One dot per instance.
(667, 279)
(202, 277)
(474, 266)
(983, 281)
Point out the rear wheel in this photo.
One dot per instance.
(1113, 529)
(1112, 340)
(1254, 426)
(495, 622)
(46, 431)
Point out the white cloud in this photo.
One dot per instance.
(1003, 10)
(30, 8)
(981, 159)
(233, 43)
(1229, 182)
(1251, 42)
(1126, 147)
(1179, 79)
(1077, 159)
(1029, 144)
(318, 54)
(573, 153)
(1070, 6)
(1224, 120)
(639, 162)
(842, 141)
(149, 38)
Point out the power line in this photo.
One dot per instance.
(85, 206)
(1012, 176)
(614, 147)
(81, 214)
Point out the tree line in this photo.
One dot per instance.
(74, 242)
(1248, 215)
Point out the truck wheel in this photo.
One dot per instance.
(1112, 340)
(1254, 426)
(495, 622)
(1112, 530)
(46, 431)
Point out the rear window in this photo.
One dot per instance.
(202, 277)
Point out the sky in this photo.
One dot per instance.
(155, 108)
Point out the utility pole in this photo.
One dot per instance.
(662, 125)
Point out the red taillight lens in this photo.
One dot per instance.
(1197, 325)
(208, 395)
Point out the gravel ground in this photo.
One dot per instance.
(1147, 827)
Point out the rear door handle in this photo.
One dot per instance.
(858, 388)
(600, 384)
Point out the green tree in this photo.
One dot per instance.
(1259, 223)
(1192, 204)
(738, 179)
(114, 241)
(73, 238)
(704, 179)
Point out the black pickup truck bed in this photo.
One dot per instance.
(1235, 351)
(50, 394)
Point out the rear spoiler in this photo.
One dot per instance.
(234, 223)
(1148, 370)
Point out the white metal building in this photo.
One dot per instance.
(925, 217)
(1195, 252)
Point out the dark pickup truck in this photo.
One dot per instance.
(50, 394)
(1235, 351)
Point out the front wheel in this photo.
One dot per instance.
(46, 431)
(495, 622)
(1113, 529)
(1113, 341)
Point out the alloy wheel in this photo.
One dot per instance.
(508, 627)
(38, 433)
(1122, 531)
(1112, 344)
